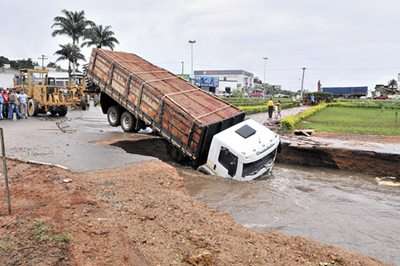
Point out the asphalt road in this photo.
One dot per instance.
(72, 141)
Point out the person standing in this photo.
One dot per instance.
(278, 110)
(1, 104)
(270, 106)
(5, 103)
(23, 104)
(13, 106)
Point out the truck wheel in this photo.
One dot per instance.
(128, 122)
(114, 116)
(32, 107)
(62, 111)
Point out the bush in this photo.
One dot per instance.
(263, 108)
(367, 104)
(289, 122)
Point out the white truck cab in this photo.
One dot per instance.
(243, 152)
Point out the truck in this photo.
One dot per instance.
(198, 127)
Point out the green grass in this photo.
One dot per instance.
(372, 121)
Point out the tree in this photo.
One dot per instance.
(392, 84)
(73, 24)
(71, 53)
(100, 36)
(3, 61)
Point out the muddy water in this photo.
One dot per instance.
(334, 207)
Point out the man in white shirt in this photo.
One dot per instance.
(23, 104)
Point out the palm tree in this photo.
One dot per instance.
(71, 53)
(100, 36)
(73, 24)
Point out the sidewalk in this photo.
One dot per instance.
(262, 118)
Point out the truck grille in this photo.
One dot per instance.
(254, 167)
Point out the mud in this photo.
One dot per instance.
(137, 215)
(310, 153)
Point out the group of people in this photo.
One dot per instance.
(274, 107)
(13, 102)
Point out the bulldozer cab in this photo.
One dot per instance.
(43, 92)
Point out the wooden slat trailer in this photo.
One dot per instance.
(183, 114)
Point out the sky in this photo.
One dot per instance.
(342, 42)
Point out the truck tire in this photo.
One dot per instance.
(32, 108)
(114, 116)
(128, 122)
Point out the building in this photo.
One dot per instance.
(385, 90)
(347, 92)
(228, 80)
(6, 77)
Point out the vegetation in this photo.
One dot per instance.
(70, 53)
(100, 37)
(368, 104)
(43, 232)
(253, 109)
(18, 64)
(75, 25)
(356, 120)
(244, 101)
(258, 105)
(290, 122)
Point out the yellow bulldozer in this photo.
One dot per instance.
(50, 95)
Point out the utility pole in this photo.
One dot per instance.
(302, 82)
(192, 42)
(183, 67)
(43, 57)
(265, 69)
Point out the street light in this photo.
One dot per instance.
(192, 42)
(302, 81)
(265, 69)
(183, 67)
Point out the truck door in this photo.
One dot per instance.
(228, 161)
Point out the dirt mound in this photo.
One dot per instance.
(139, 215)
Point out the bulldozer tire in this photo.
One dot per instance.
(62, 111)
(32, 107)
(114, 116)
(128, 122)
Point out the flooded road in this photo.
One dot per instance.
(334, 207)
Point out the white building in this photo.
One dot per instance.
(6, 77)
(229, 80)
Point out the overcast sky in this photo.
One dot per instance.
(342, 42)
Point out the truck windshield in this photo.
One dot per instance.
(254, 167)
(228, 160)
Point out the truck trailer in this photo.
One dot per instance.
(198, 126)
